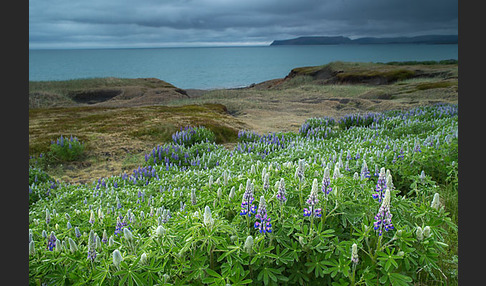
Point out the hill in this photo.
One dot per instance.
(427, 39)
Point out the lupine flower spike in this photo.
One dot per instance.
(326, 182)
(281, 191)
(312, 201)
(263, 225)
(354, 253)
(247, 207)
(380, 185)
(92, 246)
(208, 219)
(384, 216)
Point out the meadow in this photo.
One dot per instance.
(359, 199)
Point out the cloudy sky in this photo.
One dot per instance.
(179, 23)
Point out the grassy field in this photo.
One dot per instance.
(119, 119)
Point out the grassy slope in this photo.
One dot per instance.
(117, 137)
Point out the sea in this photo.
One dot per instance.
(216, 67)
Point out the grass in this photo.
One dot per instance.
(114, 135)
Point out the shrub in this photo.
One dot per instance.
(66, 149)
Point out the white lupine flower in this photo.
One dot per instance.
(248, 244)
(208, 219)
(72, 245)
(143, 258)
(314, 187)
(354, 253)
(356, 176)
(219, 193)
(117, 258)
(419, 233)
(435, 201)
(31, 248)
(128, 234)
(232, 193)
(111, 241)
(427, 232)
(160, 231)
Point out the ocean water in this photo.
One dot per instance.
(218, 67)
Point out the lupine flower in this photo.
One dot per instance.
(264, 224)
(299, 173)
(51, 242)
(326, 182)
(193, 197)
(48, 216)
(389, 180)
(160, 231)
(143, 258)
(247, 207)
(426, 231)
(281, 191)
(380, 186)
(354, 254)
(419, 233)
(384, 216)
(435, 201)
(337, 173)
(77, 232)
(365, 173)
(127, 234)
(105, 237)
(208, 218)
(232, 193)
(91, 217)
(312, 201)
(111, 241)
(422, 176)
(416, 148)
(117, 258)
(219, 193)
(248, 244)
(72, 245)
(92, 246)
(31, 247)
(266, 182)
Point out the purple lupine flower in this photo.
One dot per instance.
(51, 242)
(417, 146)
(380, 185)
(247, 207)
(365, 173)
(92, 246)
(312, 202)
(326, 182)
(264, 224)
(384, 216)
(281, 191)
(120, 224)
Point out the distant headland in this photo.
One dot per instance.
(340, 40)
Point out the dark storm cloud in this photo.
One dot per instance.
(134, 23)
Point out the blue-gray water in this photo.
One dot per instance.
(220, 67)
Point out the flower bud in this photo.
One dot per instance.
(111, 241)
(419, 233)
(72, 245)
(435, 201)
(160, 231)
(232, 193)
(354, 253)
(128, 234)
(248, 244)
(143, 258)
(426, 232)
(208, 219)
(31, 247)
(117, 258)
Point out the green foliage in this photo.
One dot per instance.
(174, 241)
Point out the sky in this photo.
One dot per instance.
(67, 24)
